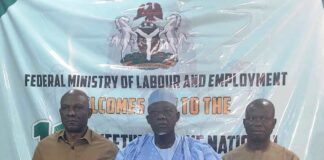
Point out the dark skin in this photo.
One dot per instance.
(163, 117)
(259, 123)
(75, 113)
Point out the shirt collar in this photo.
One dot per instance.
(87, 136)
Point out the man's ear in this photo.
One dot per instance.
(274, 122)
(244, 122)
(89, 113)
(178, 116)
(148, 119)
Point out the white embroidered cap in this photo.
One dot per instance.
(162, 95)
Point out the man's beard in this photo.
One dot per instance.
(162, 133)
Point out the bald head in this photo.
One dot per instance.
(75, 93)
(264, 104)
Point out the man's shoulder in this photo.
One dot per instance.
(99, 139)
(191, 140)
(49, 141)
(51, 138)
(198, 149)
(134, 147)
(140, 140)
(280, 149)
(234, 152)
(195, 142)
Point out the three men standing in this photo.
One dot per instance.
(78, 142)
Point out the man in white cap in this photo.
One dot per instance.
(164, 144)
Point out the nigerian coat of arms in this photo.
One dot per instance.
(155, 42)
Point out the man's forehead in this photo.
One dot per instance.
(74, 99)
(256, 110)
(74, 93)
(259, 110)
(77, 97)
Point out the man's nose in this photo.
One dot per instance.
(71, 112)
(257, 123)
(161, 116)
